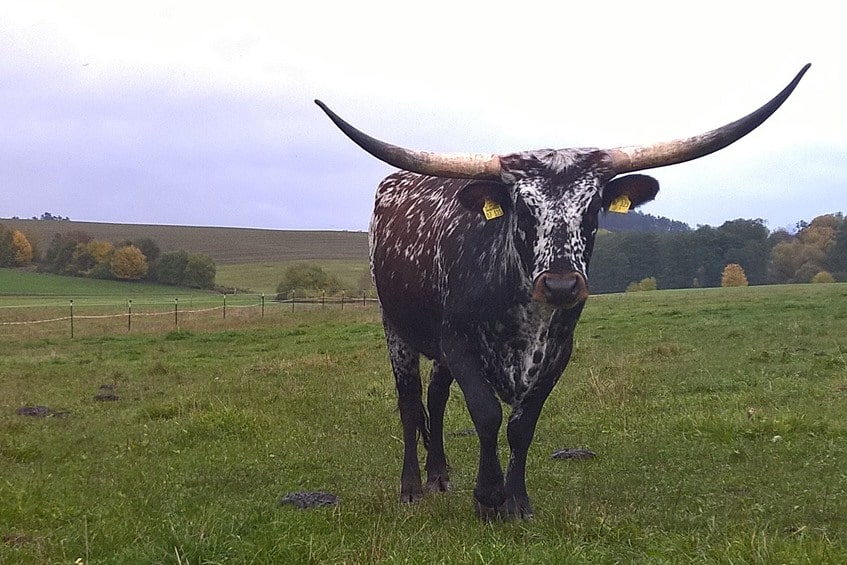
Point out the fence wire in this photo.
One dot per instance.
(246, 308)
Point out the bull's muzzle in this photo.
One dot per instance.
(561, 290)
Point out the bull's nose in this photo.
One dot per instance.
(561, 286)
(560, 290)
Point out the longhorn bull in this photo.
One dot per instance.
(480, 264)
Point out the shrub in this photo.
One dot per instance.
(733, 275)
(199, 272)
(308, 277)
(648, 283)
(172, 267)
(823, 277)
(128, 263)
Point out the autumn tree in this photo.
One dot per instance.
(815, 248)
(22, 248)
(733, 275)
(59, 257)
(128, 263)
(823, 277)
(15, 249)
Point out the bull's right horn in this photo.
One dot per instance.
(455, 165)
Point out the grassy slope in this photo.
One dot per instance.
(24, 283)
(266, 276)
(717, 416)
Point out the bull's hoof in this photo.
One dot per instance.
(439, 483)
(409, 495)
(485, 513)
(514, 508)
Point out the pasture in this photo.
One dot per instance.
(717, 416)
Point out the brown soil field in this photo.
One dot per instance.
(224, 245)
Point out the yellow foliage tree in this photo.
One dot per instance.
(22, 247)
(99, 250)
(733, 275)
(128, 263)
(823, 277)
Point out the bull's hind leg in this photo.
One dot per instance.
(405, 362)
(437, 477)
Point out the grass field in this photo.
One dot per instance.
(38, 305)
(266, 276)
(718, 417)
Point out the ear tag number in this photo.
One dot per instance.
(491, 209)
(621, 204)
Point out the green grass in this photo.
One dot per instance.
(717, 416)
(265, 277)
(16, 282)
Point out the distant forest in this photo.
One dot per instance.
(637, 221)
(632, 247)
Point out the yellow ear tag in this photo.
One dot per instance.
(621, 204)
(491, 209)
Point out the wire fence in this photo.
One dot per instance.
(85, 316)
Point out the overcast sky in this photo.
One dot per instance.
(202, 113)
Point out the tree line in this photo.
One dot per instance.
(76, 253)
(697, 258)
(661, 254)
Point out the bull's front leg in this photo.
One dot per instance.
(486, 413)
(520, 431)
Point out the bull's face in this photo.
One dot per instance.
(556, 198)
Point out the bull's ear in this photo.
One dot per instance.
(477, 195)
(638, 188)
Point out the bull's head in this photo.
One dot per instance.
(562, 191)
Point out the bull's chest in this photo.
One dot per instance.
(524, 349)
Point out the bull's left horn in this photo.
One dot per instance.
(639, 157)
(456, 165)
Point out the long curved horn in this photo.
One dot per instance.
(457, 165)
(639, 157)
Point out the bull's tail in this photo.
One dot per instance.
(423, 426)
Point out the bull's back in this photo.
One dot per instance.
(411, 214)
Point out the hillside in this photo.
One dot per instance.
(227, 246)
